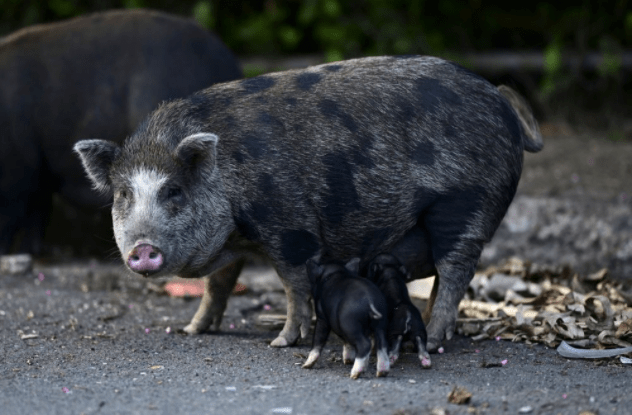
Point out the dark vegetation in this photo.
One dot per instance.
(336, 29)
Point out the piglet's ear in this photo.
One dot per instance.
(97, 157)
(314, 270)
(373, 270)
(198, 149)
(353, 266)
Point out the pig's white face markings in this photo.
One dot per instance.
(134, 225)
(146, 185)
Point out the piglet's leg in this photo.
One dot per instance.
(363, 349)
(348, 353)
(394, 353)
(217, 288)
(424, 356)
(321, 333)
(299, 309)
(381, 347)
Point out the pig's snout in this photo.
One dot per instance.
(145, 259)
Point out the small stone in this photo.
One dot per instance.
(16, 264)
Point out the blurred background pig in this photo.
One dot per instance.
(97, 75)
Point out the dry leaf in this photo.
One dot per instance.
(459, 396)
(589, 311)
(625, 329)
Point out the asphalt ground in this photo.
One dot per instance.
(91, 340)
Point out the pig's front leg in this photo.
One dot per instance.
(299, 309)
(217, 288)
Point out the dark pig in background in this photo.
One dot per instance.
(93, 76)
(344, 158)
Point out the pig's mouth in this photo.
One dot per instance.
(190, 270)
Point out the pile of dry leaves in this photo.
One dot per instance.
(520, 301)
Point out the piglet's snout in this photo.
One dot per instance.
(145, 259)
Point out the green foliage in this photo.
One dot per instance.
(133, 4)
(203, 13)
(343, 29)
(253, 70)
(339, 29)
(62, 8)
(553, 67)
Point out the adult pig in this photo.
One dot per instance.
(97, 75)
(341, 159)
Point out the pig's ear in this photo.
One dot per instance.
(97, 157)
(403, 270)
(198, 149)
(353, 266)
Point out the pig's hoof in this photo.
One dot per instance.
(280, 342)
(307, 365)
(381, 373)
(439, 328)
(354, 375)
(192, 329)
(433, 345)
(426, 363)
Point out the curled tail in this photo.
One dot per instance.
(532, 137)
(374, 313)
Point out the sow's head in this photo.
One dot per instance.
(170, 213)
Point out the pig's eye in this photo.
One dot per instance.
(174, 192)
(123, 194)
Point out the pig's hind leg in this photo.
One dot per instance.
(217, 288)
(459, 224)
(454, 278)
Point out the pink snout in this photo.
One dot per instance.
(145, 259)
